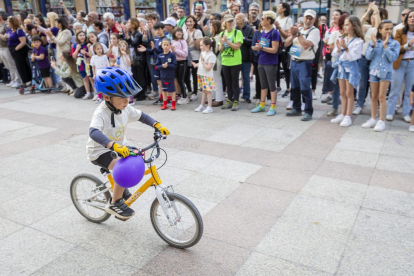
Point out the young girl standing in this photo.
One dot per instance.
(80, 53)
(180, 49)
(205, 73)
(93, 38)
(382, 52)
(113, 49)
(98, 61)
(348, 49)
(124, 61)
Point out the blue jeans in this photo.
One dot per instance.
(300, 78)
(406, 71)
(151, 70)
(335, 96)
(363, 83)
(246, 79)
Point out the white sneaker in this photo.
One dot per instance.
(10, 83)
(199, 109)
(380, 126)
(98, 101)
(411, 128)
(193, 97)
(95, 97)
(16, 85)
(407, 118)
(357, 111)
(208, 110)
(87, 96)
(302, 107)
(370, 123)
(338, 119)
(389, 118)
(183, 101)
(290, 105)
(346, 122)
(314, 97)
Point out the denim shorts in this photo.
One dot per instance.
(373, 78)
(343, 75)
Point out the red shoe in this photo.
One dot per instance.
(164, 107)
(173, 105)
(173, 108)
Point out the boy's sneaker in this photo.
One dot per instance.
(119, 209)
(306, 117)
(293, 113)
(153, 96)
(95, 97)
(327, 99)
(157, 102)
(287, 92)
(16, 85)
(183, 101)
(87, 96)
(208, 110)
(193, 97)
(235, 106)
(227, 105)
(126, 194)
(289, 105)
(332, 112)
(199, 109)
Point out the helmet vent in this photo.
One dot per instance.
(112, 76)
(110, 88)
(120, 72)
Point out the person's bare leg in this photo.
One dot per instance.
(203, 98)
(209, 98)
(342, 91)
(118, 190)
(177, 86)
(350, 98)
(383, 99)
(374, 99)
(86, 83)
(49, 82)
(173, 96)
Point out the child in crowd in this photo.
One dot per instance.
(166, 64)
(124, 62)
(98, 61)
(205, 74)
(156, 49)
(40, 55)
(113, 49)
(382, 51)
(92, 38)
(80, 53)
(180, 49)
(348, 49)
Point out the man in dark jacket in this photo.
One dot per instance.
(246, 49)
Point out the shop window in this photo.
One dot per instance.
(54, 5)
(145, 6)
(223, 7)
(23, 5)
(113, 6)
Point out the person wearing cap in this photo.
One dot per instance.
(254, 9)
(304, 44)
(268, 61)
(181, 17)
(169, 25)
(231, 60)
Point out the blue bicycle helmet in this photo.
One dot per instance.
(116, 82)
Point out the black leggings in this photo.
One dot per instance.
(194, 75)
(180, 72)
(138, 72)
(231, 74)
(286, 70)
(314, 79)
(22, 63)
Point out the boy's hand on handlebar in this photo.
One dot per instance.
(122, 150)
(162, 129)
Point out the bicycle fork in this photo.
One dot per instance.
(166, 204)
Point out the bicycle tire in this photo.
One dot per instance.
(198, 233)
(97, 182)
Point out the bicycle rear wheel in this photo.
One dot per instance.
(188, 228)
(93, 209)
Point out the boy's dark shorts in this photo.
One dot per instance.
(168, 86)
(103, 160)
(157, 73)
(45, 72)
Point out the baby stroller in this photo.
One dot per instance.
(38, 83)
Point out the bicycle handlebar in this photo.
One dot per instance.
(157, 137)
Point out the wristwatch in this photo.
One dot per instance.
(298, 34)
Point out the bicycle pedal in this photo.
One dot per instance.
(121, 218)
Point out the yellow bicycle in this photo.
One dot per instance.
(174, 217)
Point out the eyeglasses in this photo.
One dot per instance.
(404, 14)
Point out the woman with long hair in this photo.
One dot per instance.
(17, 43)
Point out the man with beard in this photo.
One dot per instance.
(253, 12)
(201, 18)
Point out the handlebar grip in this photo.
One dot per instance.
(114, 155)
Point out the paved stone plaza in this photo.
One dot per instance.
(278, 196)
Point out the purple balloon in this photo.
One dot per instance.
(129, 171)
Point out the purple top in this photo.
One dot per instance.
(266, 41)
(44, 63)
(55, 32)
(14, 37)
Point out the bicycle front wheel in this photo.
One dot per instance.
(188, 227)
(82, 188)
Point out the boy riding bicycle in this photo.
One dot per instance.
(108, 125)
